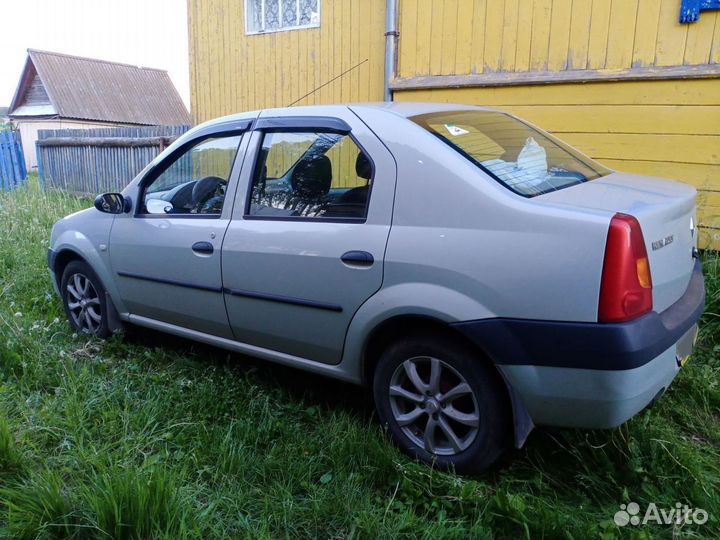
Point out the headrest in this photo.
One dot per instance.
(363, 167)
(312, 177)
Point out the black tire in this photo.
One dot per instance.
(95, 302)
(481, 446)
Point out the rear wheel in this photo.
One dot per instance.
(442, 404)
(83, 297)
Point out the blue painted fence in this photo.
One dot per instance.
(92, 161)
(12, 160)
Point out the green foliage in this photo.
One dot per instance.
(136, 503)
(156, 437)
(9, 456)
(38, 506)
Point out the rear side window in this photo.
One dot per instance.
(310, 175)
(523, 159)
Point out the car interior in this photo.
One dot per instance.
(308, 188)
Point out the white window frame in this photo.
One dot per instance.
(250, 32)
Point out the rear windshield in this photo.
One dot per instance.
(523, 159)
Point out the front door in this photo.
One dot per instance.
(167, 255)
(310, 224)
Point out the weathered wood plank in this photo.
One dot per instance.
(424, 33)
(510, 38)
(559, 35)
(706, 71)
(12, 162)
(700, 39)
(579, 34)
(105, 142)
(599, 29)
(646, 29)
(407, 46)
(449, 31)
(540, 40)
(650, 119)
(436, 37)
(701, 149)
(493, 34)
(622, 26)
(701, 176)
(672, 36)
(463, 45)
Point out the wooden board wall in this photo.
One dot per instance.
(232, 72)
(668, 129)
(459, 37)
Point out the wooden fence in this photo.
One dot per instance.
(92, 161)
(12, 161)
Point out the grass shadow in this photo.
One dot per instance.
(314, 389)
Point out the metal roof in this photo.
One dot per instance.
(98, 90)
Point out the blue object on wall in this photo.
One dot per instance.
(690, 9)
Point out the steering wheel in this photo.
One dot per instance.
(204, 190)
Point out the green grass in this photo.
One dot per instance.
(159, 437)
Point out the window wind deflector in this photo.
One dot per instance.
(303, 124)
(224, 128)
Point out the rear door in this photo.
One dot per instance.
(306, 242)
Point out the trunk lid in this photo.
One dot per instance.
(666, 212)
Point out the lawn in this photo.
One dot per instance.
(151, 436)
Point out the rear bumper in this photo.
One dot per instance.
(591, 375)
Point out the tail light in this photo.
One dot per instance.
(626, 286)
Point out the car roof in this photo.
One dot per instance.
(401, 109)
(409, 108)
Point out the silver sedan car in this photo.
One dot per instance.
(479, 274)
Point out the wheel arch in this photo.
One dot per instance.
(408, 325)
(62, 258)
(66, 253)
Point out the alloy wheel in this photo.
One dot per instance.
(83, 303)
(434, 405)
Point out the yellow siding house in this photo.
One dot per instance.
(623, 80)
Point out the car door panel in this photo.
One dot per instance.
(286, 285)
(290, 291)
(161, 277)
(168, 266)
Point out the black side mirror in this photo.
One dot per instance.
(112, 203)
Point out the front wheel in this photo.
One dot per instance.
(442, 404)
(83, 297)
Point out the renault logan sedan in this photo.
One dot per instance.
(479, 274)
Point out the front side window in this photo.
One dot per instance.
(276, 15)
(310, 175)
(195, 182)
(521, 158)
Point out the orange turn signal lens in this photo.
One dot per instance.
(643, 273)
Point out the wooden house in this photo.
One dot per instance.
(59, 91)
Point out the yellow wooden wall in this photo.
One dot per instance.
(662, 128)
(232, 72)
(668, 128)
(665, 128)
(449, 37)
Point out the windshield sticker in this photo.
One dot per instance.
(455, 131)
